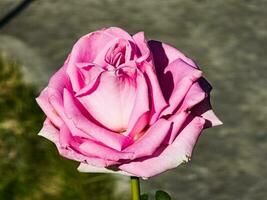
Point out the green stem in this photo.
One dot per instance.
(135, 186)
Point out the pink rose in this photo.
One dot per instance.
(123, 104)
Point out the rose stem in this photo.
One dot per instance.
(135, 186)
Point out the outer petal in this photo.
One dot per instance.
(58, 81)
(80, 122)
(194, 95)
(56, 100)
(52, 133)
(44, 103)
(178, 120)
(89, 148)
(164, 54)
(93, 169)
(151, 140)
(171, 156)
(180, 79)
(94, 149)
(204, 109)
(49, 131)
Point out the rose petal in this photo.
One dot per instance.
(103, 135)
(151, 140)
(142, 45)
(204, 109)
(109, 52)
(194, 95)
(170, 157)
(60, 79)
(178, 120)
(43, 102)
(91, 148)
(70, 147)
(140, 112)
(85, 51)
(117, 32)
(180, 79)
(164, 54)
(65, 137)
(158, 102)
(112, 102)
(93, 169)
(91, 79)
(51, 133)
(56, 100)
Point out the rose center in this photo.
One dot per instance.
(117, 54)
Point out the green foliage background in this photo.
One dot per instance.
(30, 167)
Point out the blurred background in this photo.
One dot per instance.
(227, 38)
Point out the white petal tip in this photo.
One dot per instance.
(86, 168)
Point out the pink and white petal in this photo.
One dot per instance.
(192, 97)
(180, 69)
(158, 102)
(94, 149)
(92, 78)
(93, 169)
(170, 157)
(100, 58)
(65, 137)
(178, 121)
(69, 147)
(90, 71)
(212, 119)
(118, 33)
(100, 134)
(140, 113)
(183, 76)
(60, 79)
(85, 51)
(142, 45)
(112, 102)
(204, 110)
(56, 100)
(135, 131)
(49, 131)
(44, 103)
(56, 83)
(81, 148)
(73, 155)
(164, 54)
(147, 144)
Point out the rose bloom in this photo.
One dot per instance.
(126, 105)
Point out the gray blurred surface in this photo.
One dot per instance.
(227, 38)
